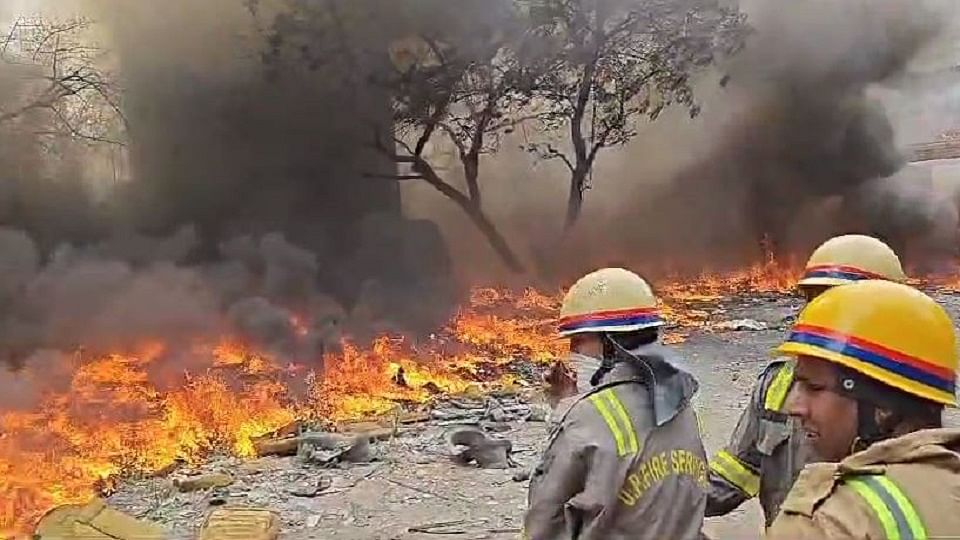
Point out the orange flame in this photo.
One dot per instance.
(115, 419)
(118, 415)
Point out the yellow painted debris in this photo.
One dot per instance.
(208, 481)
(233, 523)
(94, 521)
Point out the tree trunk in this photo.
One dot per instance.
(495, 239)
(474, 212)
(575, 199)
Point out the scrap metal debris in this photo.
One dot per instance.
(474, 430)
(311, 487)
(472, 445)
(741, 324)
(329, 448)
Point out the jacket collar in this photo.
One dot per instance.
(940, 445)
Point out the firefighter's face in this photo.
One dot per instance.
(587, 344)
(828, 418)
(809, 292)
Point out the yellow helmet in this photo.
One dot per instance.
(609, 300)
(887, 331)
(849, 258)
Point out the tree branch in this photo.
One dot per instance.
(425, 170)
(454, 136)
(74, 132)
(566, 161)
(599, 143)
(397, 177)
(9, 38)
(580, 110)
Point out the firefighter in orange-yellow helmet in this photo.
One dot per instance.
(624, 458)
(876, 365)
(766, 451)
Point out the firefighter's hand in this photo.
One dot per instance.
(560, 383)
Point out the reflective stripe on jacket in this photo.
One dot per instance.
(766, 451)
(903, 488)
(609, 473)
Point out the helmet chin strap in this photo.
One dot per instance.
(607, 364)
(870, 428)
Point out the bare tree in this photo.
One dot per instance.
(465, 74)
(452, 72)
(63, 79)
(616, 62)
(467, 99)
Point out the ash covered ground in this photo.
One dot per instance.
(410, 488)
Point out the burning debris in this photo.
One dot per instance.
(247, 404)
(61, 444)
(214, 388)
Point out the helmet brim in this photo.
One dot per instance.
(823, 282)
(612, 329)
(891, 379)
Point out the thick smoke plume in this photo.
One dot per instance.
(804, 139)
(246, 214)
(222, 141)
(101, 299)
(803, 132)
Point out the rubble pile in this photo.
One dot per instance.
(304, 471)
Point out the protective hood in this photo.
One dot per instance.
(664, 372)
(674, 386)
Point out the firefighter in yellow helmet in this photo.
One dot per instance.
(876, 364)
(624, 458)
(766, 451)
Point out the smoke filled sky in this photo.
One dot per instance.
(247, 213)
(658, 193)
(822, 100)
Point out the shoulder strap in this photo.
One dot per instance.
(893, 509)
(779, 388)
(610, 408)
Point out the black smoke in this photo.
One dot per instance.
(249, 209)
(802, 128)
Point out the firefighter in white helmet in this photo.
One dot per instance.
(624, 458)
(767, 451)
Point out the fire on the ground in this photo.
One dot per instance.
(121, 414)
